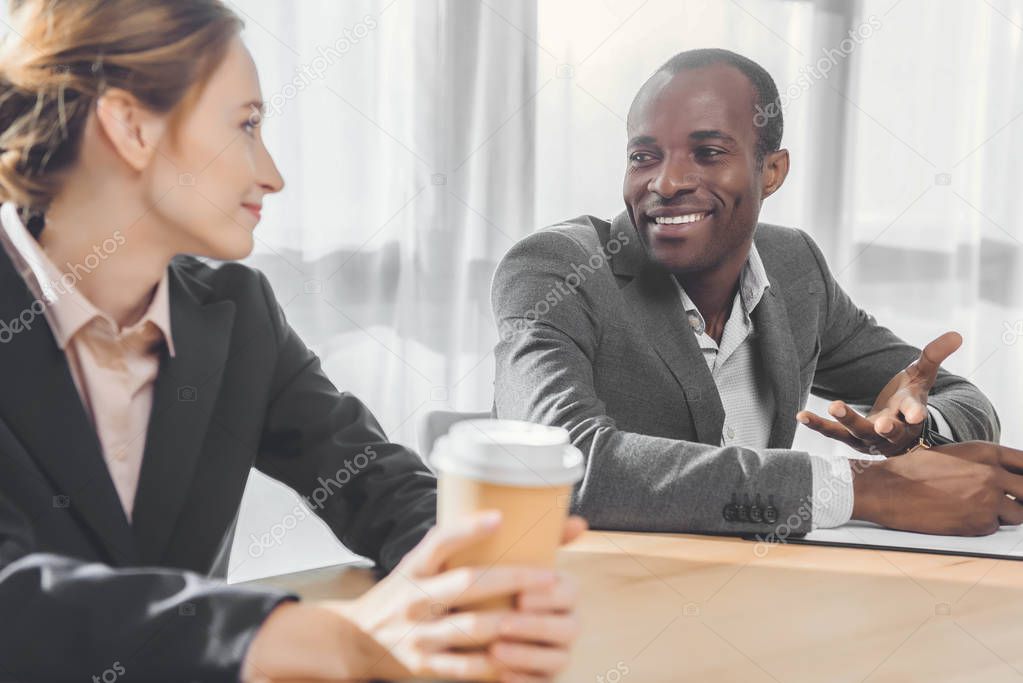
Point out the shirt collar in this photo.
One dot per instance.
(67, 310)
(753, 282)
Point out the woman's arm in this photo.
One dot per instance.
(65, 619)
(378, 497)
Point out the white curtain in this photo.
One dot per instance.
(405, 132)
(932, 237)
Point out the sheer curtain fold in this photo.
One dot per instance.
(408, 148)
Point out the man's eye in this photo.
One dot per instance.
(640, 157)
(709, 152)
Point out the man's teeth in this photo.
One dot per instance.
(678, 220)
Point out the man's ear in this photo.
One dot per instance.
(132, 129)
(776, 167)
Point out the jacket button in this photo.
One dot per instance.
(731, 510)
(756, 513)
(770, 512)
(729, 513)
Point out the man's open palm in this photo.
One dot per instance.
(896, 419)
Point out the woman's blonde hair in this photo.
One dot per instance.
(62, 54)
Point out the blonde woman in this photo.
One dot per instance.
(140, 386)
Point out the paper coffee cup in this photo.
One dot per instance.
(526, 471)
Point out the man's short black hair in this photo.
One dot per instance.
(767, 118)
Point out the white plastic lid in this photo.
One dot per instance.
(509, 452)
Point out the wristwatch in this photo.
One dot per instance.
(930, 437)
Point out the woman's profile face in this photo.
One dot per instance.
(217, 168)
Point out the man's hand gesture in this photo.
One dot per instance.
(896, 420)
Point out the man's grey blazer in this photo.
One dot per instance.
(594, 338)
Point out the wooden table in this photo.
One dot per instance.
(665, 607)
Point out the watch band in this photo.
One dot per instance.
(929, 437)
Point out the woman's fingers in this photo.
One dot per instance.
(526, 658)
(474, 630)
(427, 558)
(468, 585)
(551, 629)
(513, 677)
(477, 630)
(543, 654)
(477, 666)
(575, 527)
(560, 597)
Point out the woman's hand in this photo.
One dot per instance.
(409, 614)
(405, 626)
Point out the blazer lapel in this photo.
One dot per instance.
(183, 400)
(654, 299)
(41, 404)
(781, 363)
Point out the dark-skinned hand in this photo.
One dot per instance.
(896, 420)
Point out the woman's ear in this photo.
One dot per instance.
(776, 167)
(133, 130)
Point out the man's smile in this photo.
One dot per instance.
(676, 223)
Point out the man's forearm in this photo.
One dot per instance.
(642, 482)
(969, 413)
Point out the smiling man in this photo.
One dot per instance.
(679, 341)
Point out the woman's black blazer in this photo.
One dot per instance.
(83, 591)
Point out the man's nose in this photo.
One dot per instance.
(674, 177)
